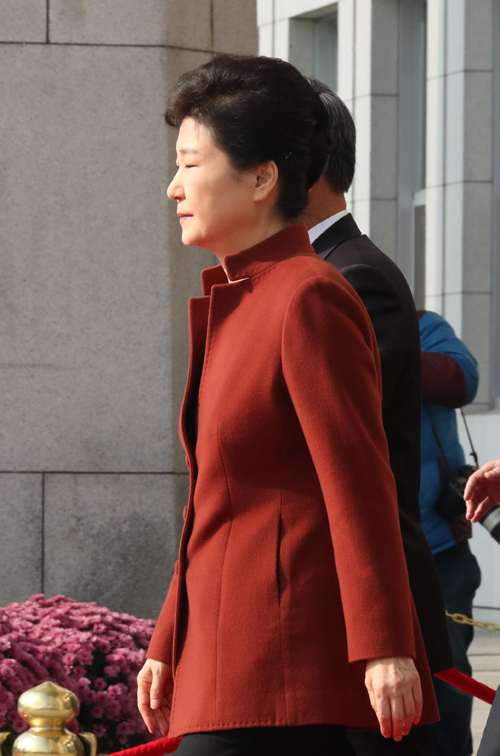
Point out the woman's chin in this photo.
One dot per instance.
(190, 239)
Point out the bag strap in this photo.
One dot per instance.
(473, 451)
(440, 446)
(441, 450)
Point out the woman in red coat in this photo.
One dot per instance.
(289, 617)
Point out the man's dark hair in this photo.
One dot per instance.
(342, 159)
(259, 109)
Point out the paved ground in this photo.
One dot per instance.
(485, 659)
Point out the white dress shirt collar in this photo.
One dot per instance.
(319, 228)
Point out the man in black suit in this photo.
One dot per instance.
(389, 302)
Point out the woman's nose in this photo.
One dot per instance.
(175, 190)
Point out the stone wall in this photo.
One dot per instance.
(460, 105)
(93, 291)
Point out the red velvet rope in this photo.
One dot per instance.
(467, 684)
(451, 676)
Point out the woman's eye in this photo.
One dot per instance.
(189, 166)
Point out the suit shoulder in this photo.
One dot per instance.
(373, 274)
(361, 251)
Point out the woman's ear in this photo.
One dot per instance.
(266, 180)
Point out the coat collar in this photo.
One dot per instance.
(344, 229)
(289, 242)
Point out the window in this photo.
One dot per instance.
(313, 45)
(325, 50)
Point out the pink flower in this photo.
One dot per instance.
(84, 656)
(18, 723)
(82, 647)
(115, 691)
(113, 709)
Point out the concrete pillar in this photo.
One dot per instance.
(374, 95)
(94, 285)
(459, 173)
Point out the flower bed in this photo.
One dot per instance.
(92, 651)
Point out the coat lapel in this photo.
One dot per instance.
(198, 309)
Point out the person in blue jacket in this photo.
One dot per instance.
(449, 381)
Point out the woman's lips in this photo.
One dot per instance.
(183, 218)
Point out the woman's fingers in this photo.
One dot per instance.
(382, 708)
(404, 712)
(380, 704)
(409, 708)
(162, 717)
(154, 685)
(418, 701)
(160, 675)
(395, 693)
(395, 714)
(143, 699)
(370, 695)
(397, 717)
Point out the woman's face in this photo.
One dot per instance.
(218, 208)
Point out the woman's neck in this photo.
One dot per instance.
(244, 238)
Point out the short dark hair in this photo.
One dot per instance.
(342, 159)
(259, 109)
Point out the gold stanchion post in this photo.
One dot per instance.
(48, 708)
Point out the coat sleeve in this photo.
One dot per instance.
(160, 645)
(332, 371)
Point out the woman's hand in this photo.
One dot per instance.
(482, 491)
(395, 694)
(154, 695)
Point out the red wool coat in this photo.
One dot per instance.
(291, 569)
